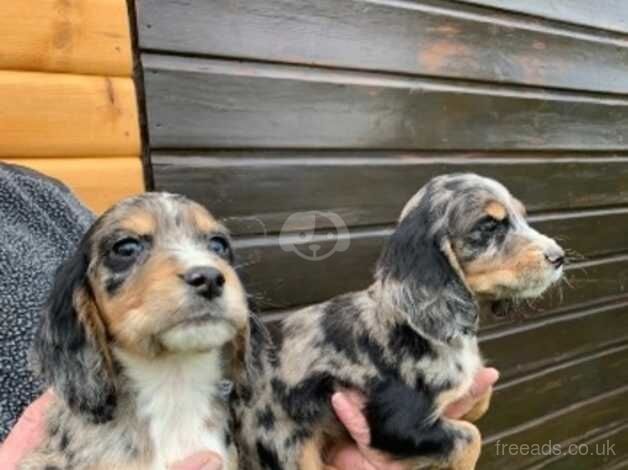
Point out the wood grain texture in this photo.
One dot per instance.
(586, 284)
(296, 283)
(196, 103)
(556, 339)
(257, 191)
(72, 36)
(562, 427)
(97, 182)
(604, 14)
(62, 115)
(602, 451)
(556, 388)
(266, 109)
(296, 280)
(419, 37)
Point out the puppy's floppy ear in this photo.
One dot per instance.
(70, 348)
(421, 277)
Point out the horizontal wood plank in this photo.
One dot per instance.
(76, 36)
(296, 280)
(197, 103)
(97, 182)
(600, 452)
(561, 427)
(585, 285)
(60, 115)
(556, 388)
(420, 37)
(555, 339)
(257, 192)
(604, 14)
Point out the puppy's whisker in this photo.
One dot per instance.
(246, 264)
(566, 280)
(561, 294)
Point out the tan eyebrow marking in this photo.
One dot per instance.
(203, 220)
(496, 210)
(139, 221)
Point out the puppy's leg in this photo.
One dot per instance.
(467, 449)
(402, 423)
(480, 408)
(311, 456)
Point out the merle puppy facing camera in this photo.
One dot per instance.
(409, 341)
(139, 337)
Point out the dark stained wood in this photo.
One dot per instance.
(561, 427)
(532, 346)
(600, 452)
(604, 14)
(297, 281)
(198, 103)
(280, 278)
(556, 388)
(585, 285)
(421, 37)
(589, 233)
(257, 192)
(269, 108)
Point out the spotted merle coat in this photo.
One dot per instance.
(408, 341)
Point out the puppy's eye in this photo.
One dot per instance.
(127, 248)
(489, 224)
(219, 245)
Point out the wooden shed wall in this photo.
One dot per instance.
(265, 108)
(68, 106)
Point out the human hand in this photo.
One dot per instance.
(27, 434)
(358, 455)
(200, 461)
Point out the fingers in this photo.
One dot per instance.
(27, 433)
(200, 461)
(483, 382)
(349, 457)
(348, 407)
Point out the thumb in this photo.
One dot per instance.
(484, 380)
(200, 461)
(348, 407)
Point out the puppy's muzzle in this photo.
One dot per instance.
(206, 281)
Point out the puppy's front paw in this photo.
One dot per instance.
(480, 408)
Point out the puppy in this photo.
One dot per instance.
(409, 341)
(139, 341)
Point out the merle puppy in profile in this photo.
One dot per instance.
(409, 341)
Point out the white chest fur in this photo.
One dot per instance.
(177, 398)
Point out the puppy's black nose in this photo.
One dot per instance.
(555, 257)
(205, 280)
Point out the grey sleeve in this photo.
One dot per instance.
(40, 224)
